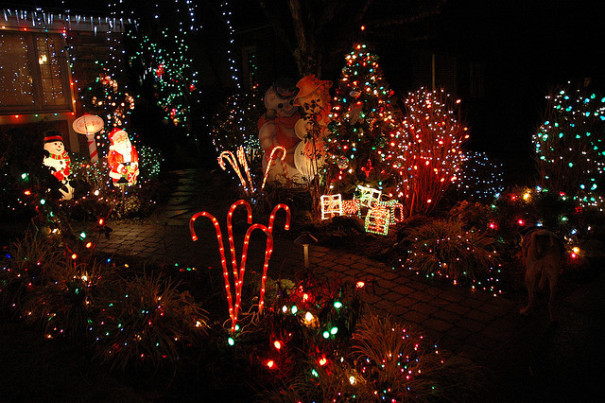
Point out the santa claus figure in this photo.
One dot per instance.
(123, 159)
(58, 162)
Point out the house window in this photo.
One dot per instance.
(33, 73)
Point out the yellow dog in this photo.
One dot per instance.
(543, 254)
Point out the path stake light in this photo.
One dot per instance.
(305, 239)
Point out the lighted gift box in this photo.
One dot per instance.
(378, 220)
(331, 205)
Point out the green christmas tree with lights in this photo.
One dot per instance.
(569, 144)
(168, 68)
(363, 118)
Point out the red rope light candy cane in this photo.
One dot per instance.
(241, 156)
(230, 232)
(221, 249)
(268, 251)
(228, 155)
(272, 158)
(274, 212)
(281, 206)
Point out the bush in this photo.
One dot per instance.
(64, 306)
(426, 155)
(386, 361)
(146, 320)
(480, 179)
(568, 144)
(25, 266)
(444, 248)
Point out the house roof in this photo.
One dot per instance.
(27, 16)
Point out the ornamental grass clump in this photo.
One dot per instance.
(396, 362)
(25, 265)
(385, 361)
(146, 320)
(443, 248)
(65, 305)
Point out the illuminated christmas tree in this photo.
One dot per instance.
(426, 153)
(106, 97)
(363, 119)
(568, 145)
(168, 69)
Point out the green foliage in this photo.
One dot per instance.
(473, 215)
(150, 162)
(25, 266)
(385, 361)
(146, 319)
(444, 248)
(399, 361)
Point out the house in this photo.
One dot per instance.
(46, 58)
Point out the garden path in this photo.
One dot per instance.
(458, 319)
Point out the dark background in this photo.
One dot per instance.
(524, 49)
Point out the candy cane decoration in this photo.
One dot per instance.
(92, 148)
(238, 277)
(219, 238)
(284, 207)
(241, 156)
(272, 158)
(242, 269)
(274, 212)
(230, 232)
(228, 155)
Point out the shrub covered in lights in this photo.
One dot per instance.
(165, 65)
(386, 361)
(236, 124)
(146, 320)
(150, 162)
(568, 144)
(480, 179)
(24, 266)
(444, 248)
(426, 152)
(131, 319)
(107, 98)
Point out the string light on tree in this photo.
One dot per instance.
(363, 118)
(426, 153)
(568, 144)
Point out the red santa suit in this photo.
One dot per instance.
(123, 159)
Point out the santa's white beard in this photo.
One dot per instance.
(125, 150)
